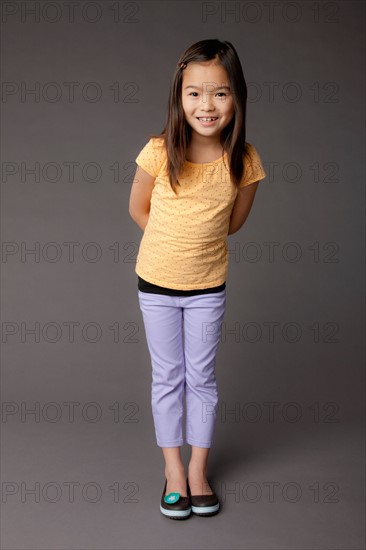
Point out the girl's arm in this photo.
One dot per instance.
(242, 205)
(139, 206)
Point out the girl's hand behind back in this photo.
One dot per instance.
(140, 196)
(242, 206)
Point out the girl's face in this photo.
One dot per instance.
(206, 94)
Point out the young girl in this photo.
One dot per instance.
(194, 185)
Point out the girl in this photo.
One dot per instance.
(194, 185)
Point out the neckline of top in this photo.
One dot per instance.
(210, 162)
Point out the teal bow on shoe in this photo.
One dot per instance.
(171, 498)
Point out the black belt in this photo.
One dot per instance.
(145, 286)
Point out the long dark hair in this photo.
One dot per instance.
(177, 133)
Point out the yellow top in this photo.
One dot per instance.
(184, 242)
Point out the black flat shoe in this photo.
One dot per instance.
(174, 506)
(204, 505)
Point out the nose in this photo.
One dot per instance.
(206, 103)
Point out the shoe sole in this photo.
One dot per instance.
(175, 514)
(206, 510)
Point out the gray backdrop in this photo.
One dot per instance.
(82, 88)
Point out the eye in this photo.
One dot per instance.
(223, 93)
(192, 93)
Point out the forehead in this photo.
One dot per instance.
(196, 73)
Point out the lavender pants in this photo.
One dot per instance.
(183, 362)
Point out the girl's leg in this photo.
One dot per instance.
(202, 317)
(197, 472)
(174, 471)
(162, 316)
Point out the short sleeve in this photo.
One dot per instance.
(150, 158)
(253, 167)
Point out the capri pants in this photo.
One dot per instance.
(183, 362)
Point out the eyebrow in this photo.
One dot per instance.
(217, 88)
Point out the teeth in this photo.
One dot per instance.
(207, 119)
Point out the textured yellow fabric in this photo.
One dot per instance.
(184, 242)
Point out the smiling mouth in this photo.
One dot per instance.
(207, 119)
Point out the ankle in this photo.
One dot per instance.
(174, 470)
(197, 469)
